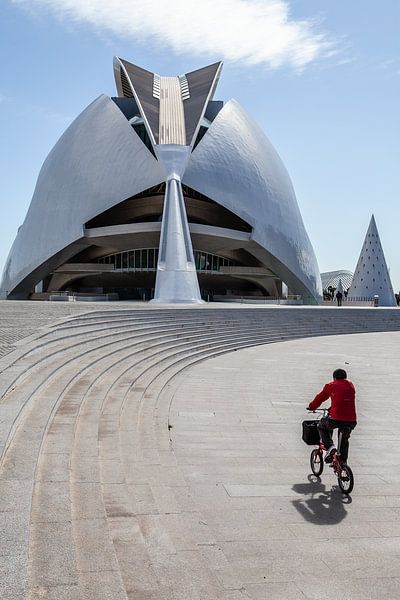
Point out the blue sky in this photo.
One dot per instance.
(321, 78)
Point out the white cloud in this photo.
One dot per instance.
(390, 67)
(251, 31)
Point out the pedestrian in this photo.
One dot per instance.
(339, 297)
(342, 413)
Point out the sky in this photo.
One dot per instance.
(320, 77)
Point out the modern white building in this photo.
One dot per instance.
(332, 278)
(163, 192)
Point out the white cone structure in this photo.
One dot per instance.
(340, 287)
(371, 276)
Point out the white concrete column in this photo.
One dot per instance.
(176, 280)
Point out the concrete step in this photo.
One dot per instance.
(85, 422)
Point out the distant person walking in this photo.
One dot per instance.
(339, 298)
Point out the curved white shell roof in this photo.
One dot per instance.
(99, 162)
(236, 165)
(96, 163)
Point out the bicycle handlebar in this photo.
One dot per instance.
(325, 411)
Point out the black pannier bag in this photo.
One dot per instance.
(310, 432)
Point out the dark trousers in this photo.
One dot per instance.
(326, 426)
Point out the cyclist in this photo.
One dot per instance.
(342, 413)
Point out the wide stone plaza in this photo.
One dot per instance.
(156, 453)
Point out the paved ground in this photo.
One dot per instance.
(132, 472)
(268, 526)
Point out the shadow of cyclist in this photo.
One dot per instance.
(320, 505)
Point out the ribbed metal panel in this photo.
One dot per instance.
(172, 116)
(126, 87)
(185, 93)
(156, 86)
(142, 83)
(201, 84)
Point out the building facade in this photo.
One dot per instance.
(164, 193)
(331, 279)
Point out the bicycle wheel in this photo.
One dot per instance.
(316, 462)
(346, 479)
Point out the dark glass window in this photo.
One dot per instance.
(147, 258)
(152, 264)
(140, 129)
(202, 131)
(137, 259)
(143, 261)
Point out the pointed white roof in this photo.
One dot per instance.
(371, 275)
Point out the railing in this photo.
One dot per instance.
(355, 301)
(154, 269)
(81, 297)
(291, 300)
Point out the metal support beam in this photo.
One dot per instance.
(176, 280)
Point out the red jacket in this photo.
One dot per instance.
(343, 400)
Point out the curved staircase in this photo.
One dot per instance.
(85, 435)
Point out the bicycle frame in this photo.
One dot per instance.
(336, 457)
(341, 469)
